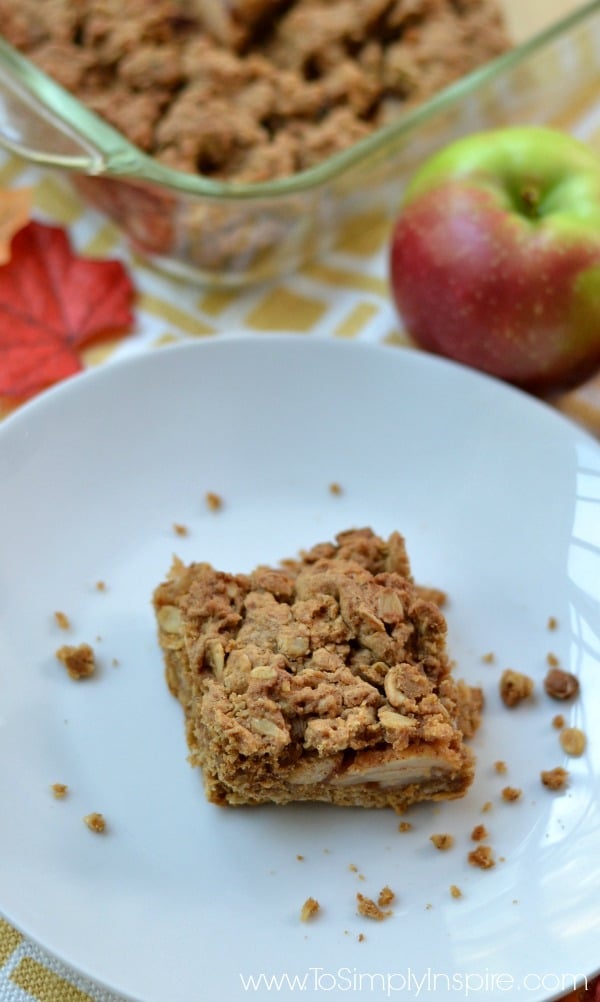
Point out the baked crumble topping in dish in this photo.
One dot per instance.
(326, 679)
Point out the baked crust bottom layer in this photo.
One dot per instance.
(325, 679)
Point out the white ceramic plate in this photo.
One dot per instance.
(499, 500)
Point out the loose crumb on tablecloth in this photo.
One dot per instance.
(442, 841)
(59, 790)
(62, 620)
(511, 793)
(555, 779)
(309, 910)
(95, 822)
(515, 687)
(79, 660)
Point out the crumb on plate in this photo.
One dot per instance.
(79, 660)
(370, 909)
(214, 502)
(95, 822)
(62, 620)
(59, 790)
(511, 793)
(442, 841)
(555, 779)
(560, 684)
(515, 687)
(309, 910)
(572, 741)
(482, 857)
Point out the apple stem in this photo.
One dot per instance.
(530, 200)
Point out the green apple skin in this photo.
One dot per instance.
(495, 256)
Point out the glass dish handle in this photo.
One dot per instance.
(32, 131)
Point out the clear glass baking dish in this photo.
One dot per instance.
(226, 235)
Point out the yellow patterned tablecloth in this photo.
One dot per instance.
(344, 296)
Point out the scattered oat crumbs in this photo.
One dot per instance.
(552, 623)
(455, 892)
(482, 857)
(95, 822)
(560, 684)
(299, 857)
(487, 807)
(79, 661)
(515, 687)
(214, 502)
(180, 530)
(479, 833)
(488, 658)
(500, 767)
(511, 793)
(558, 721)
(59, 790)
(554, 779)
(386, 896)
(370, 909)
(353, 868)
(62, 620)
(442, 841)
(335, 489)
(309, 910)
(101, 586)
(572, 741)
(552, 660)
(405, 826)
(361, 937)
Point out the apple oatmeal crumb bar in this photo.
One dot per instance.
(325, 679)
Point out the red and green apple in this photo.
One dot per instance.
(495, 256)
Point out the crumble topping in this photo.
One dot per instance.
(79, 660)
(249, 91)
(326, 678)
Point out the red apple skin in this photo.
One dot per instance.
(477, 281)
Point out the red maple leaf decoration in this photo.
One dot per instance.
(52, 303)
